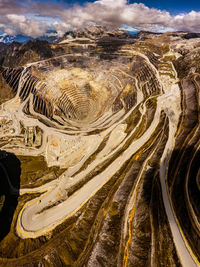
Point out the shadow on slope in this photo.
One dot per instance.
(10, 171)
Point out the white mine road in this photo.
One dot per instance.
(30, 219)
(44, 213)
(184, 252)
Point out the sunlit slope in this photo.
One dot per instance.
(109, 151)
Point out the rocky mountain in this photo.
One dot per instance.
(19, 53)
(8, 39)
(2, 47)
(100, 148)
(94, 32)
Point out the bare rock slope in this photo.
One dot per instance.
(106, 129)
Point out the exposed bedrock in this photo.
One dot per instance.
(184, 165)
(82, 96)
(109, 151)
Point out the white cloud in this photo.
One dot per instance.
(21, 24)
(112, 13)
(10, 31)
(16, 19)
(116, 13)
(128, 28)
(189, 22)
(11, 6)
(61, 27)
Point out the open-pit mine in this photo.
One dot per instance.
(100, 151)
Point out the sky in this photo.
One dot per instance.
(34, 18)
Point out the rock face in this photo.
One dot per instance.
(106, 128)
(95, 32)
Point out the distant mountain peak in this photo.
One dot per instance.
(8, 39)
(96, 32)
